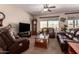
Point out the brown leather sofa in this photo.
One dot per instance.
(12, 45)
(63, 37)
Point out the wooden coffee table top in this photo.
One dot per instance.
(74, 46)
(41, 41)
(41, 38)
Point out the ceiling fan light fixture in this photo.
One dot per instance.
(45, 9)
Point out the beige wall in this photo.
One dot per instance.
(14, 15)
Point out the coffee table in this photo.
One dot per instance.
(42, 40)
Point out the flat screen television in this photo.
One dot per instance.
(24, 27)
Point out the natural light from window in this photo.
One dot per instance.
(53, 24)
(43, 24)
(49, 24)
(70, 24)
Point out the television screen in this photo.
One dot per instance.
(23, 27)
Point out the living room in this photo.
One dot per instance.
(39, 28)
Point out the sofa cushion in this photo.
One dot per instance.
(10, 31)
(7, 37)
(72, 31)
(70, 35)
(61, 39)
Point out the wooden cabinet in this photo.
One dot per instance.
(34, 26)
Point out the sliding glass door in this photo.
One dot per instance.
(43, 24)
(49, 24)
(53, 24)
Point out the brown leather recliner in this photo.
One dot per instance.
(14, 45)
(49, 31)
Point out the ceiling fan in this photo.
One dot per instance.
(48, 8)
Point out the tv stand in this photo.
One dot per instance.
(24, 34)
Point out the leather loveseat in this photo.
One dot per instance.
(63, 37)
(11, 44)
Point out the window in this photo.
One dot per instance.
(76, 23)
(49, 24)
(43, 24)
(53, 24)
(70, 24)
(73, 23)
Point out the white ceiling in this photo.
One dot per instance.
(36, 9)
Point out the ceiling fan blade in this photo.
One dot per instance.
(49, 10)
(52, 7)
